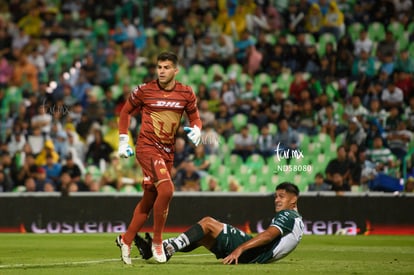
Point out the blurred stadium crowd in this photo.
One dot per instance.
(318, 92)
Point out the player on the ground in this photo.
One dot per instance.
(235, 246)
(161, 103)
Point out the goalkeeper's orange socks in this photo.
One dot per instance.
(140, 215)
(159, 201)
(165, 192)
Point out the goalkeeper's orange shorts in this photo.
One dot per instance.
(154, 168)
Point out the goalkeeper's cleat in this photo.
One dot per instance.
(158, 252)
(125, 250)
(144, 245)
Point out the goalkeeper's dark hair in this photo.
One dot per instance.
(170, 56)
(288, 187)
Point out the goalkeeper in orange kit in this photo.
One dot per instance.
(161, 103)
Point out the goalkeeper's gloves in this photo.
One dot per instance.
(124, 150)
(194, 134)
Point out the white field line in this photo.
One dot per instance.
(87, 262)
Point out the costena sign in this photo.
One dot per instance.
(311, 227)
(80, 227)
(323, 215)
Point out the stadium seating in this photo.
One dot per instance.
(339, 109)
(274, 161)
(239, 121)
(255, 170)
(410, 27)
(351, 87)
(253, 130)
(77, 48)
(324, 140)
(291, 39)
(182, 74)
(14, 95)
(229, 178)
(108, 189)
(138, 73)
(283, 81)
(116, 91)
(332, 91)
(215, 162)
(272, 182)
(301, 161)
(225, 149)
(310, 39)
(204, 182)
(19, 189)
(196, 73)
(272, 128)
(286, 175)
(215, 69)
(150, 32)
(271, 38)
(235, 67)
(354, 29)
(97, 91)
(266, 171)
(403, 41)
(100, 28)
(63, 62)
(321, 160)
(242, 172)
(60, 44)
(255, 162)
(376, 31)
(254, 183)
(304, 140)
(339, 139)
(411, 50)
(95, 172)
(323, 40)
(224, 180)
(260, 79)
(301, 181)
(396, 28)
(130, 189)
(243, 78)
(233, 162)
(313, 148)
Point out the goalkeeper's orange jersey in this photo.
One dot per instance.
(161, 112)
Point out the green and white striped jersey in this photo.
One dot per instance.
(291, 226)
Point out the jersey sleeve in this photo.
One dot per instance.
(284, 221)
(131, 106)
(192, 110)
(135, 98)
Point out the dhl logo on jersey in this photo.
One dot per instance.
(170, 104)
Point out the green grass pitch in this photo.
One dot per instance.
(98, 254)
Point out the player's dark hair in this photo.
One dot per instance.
(170, 56)
(288, 187)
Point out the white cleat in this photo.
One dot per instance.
(125, 250)
(158, 253)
